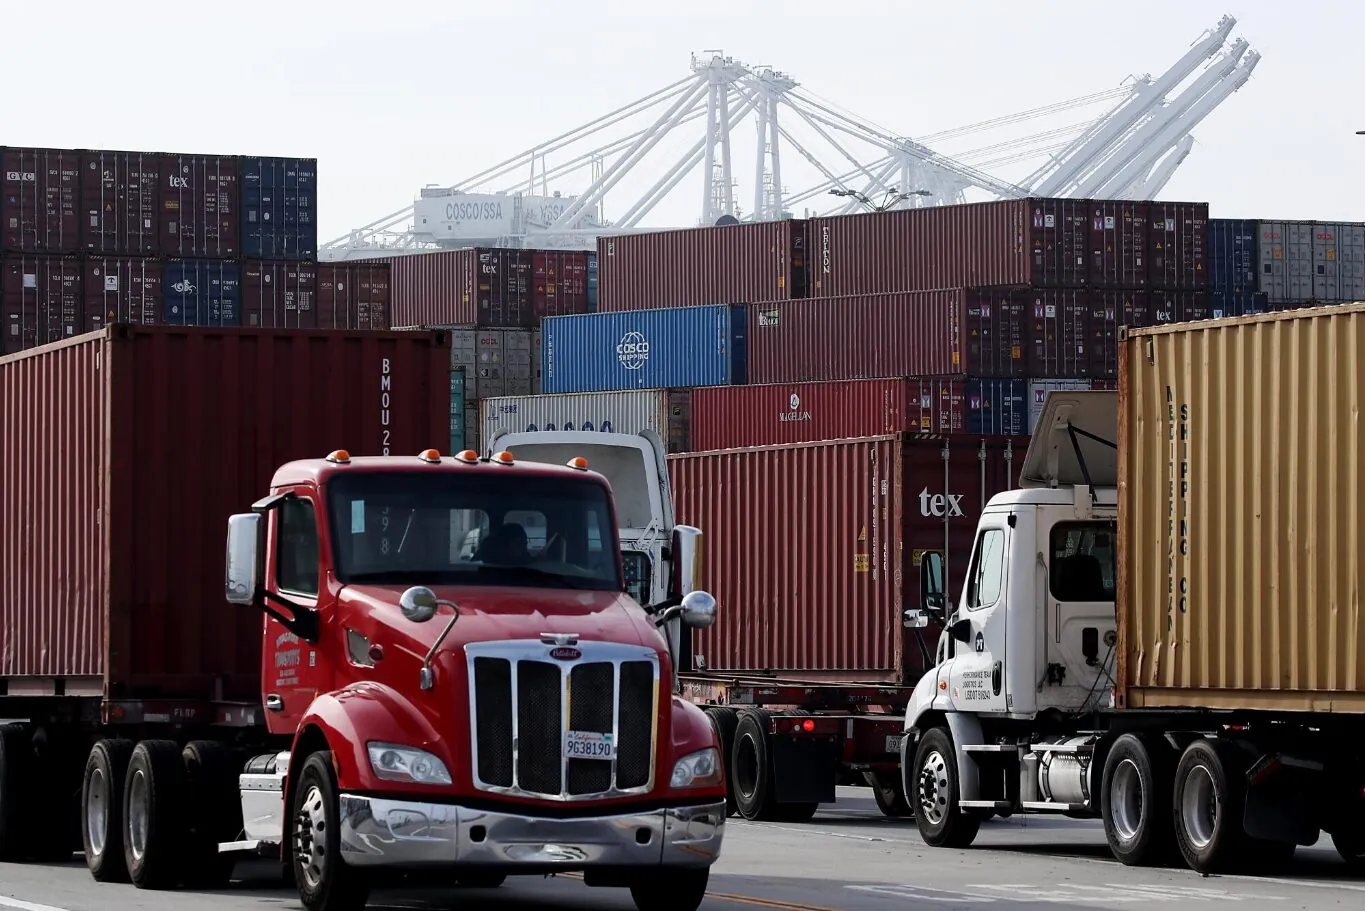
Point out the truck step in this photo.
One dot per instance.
(1081, 749)
(1052, 806)
(990, 748)
(1001, 806)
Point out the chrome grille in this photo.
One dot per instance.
(523, 703)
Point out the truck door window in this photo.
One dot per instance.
(296, 556)
(1083, 560)
(988, 566)
(638, 580)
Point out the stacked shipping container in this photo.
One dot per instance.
(1259, 266)
(94, 237)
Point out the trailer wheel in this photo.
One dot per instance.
(889, 792)
(16, 770)
(752, 767)
(325, 881)
(60, 762)
(155, 798)
(212, 771)
(1210, 794)
(671, 890)
(1350, 846)
(102, 810)
(1135, 801)
(940, 820)
(725, 719)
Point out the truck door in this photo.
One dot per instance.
(290, 671)
(977, 678)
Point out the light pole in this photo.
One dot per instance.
(892, 197)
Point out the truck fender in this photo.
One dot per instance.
(966, 729)
(692, 730)
(362, 712)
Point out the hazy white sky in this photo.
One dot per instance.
(392, 96)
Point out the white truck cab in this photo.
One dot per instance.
(1030, 647)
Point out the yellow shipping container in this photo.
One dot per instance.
(1240, 511)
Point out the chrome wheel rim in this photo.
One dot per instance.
(310, 838)
(139, 814)
(1199, 807)
(97, 811)
(1126, 802)
(933, 788)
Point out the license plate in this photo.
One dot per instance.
(588, 745)
(893, 743)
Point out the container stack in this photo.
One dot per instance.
(92, 237)
(1261, 266)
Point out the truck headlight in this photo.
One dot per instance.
(698, 770)
(393, 762)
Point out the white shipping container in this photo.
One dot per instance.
(665, 411)
(1286, 261)
(1338, 261)
(497, 361)
(471, 217)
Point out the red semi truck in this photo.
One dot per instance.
(424, 690)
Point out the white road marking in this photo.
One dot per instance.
(1109, 894)
(20, 905)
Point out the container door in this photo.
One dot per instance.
(977, 676)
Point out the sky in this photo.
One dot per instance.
(392, 97)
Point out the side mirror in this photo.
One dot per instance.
(698, 609)
(932, 596)
(684, 567)
(244, 566)
(418, 604)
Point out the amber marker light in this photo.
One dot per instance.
(469, 457)
(339, 456)
(504, 458)
(579, 462)
(430, 455)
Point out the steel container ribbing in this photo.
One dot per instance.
(279, 294)
(279, 208)
(1338, 261)
(200, 199)
(1178, 242)
(125, 452)
(559, 280)
(496, 361)
(724, 264)
(40, 201)
(484, 286)
(1240, 303)
(202, 292)
(354, 295)
(1284, 250)
(1240, 588)
(119, 203)
(667, 412)
(1119, 244)
(646, 349)
(122, 289)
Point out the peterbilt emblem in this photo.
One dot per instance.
(565, 653)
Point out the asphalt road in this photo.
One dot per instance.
(849, 858)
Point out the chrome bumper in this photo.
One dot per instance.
(396, 833)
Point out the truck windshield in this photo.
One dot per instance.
(406, 528)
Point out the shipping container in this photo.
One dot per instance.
(821, 546)
(1119, 254)
(726, 264)
(1233, 261)
(1239, 303)
(729, 417)
(592, 283)
(42, 298)
(646, 349)
(457, 409)
(202, 292)
(1038, 390)
(980, 332)
(279, 208)
(120, 212)
(1338, 261)
(667, 412)
(1239, 514)
(354, 295)
(472, 438)
(200, 206)
(279, 295)
(496, 361)
(124, 289)
(1285, 251)
(125, 453)
(559, 283)
(40, 201)
(1179, 239)
(486, 286)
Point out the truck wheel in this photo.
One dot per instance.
(1350, 846)
(751, 767)
(1135, 802)
(1210, 793)
(60, 763)
(671, 890)
(941, 822)
(325, 881)
(211, 771)
(155, 797)
(16, 772)
(102, 810)
(725, 719)
(889, 792)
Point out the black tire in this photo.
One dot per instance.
(888, 790)
(1350, 845)
(60, 762)
(211, 771)
(941, 822)
(16, 774)
(106, 769)
(1135, 802)
(325, 881)
(671, 890)
(751, 762)
(155, 815)
(481, 880)
(1208, 802)
(725, 719)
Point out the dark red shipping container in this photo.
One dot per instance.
(123, 455)
(488, 287)
(353, 295)
(124, 289)
(1178, 240)
(816, 547)
(43, 300)
(279, 295)
(1119, 244)
(120, 214)
(200, 204)
(559, 283)
(978, 332)
(39, 201)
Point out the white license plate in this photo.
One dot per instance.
(588, 745)
(893, 743)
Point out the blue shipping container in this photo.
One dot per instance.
(279, 208)
(645, 349)
(1232, 254)
(457, 426)
(997, 407)
(202, 292)
(1241, 303)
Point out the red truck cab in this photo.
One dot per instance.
(464, 684)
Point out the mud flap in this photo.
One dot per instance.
(804, 769)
